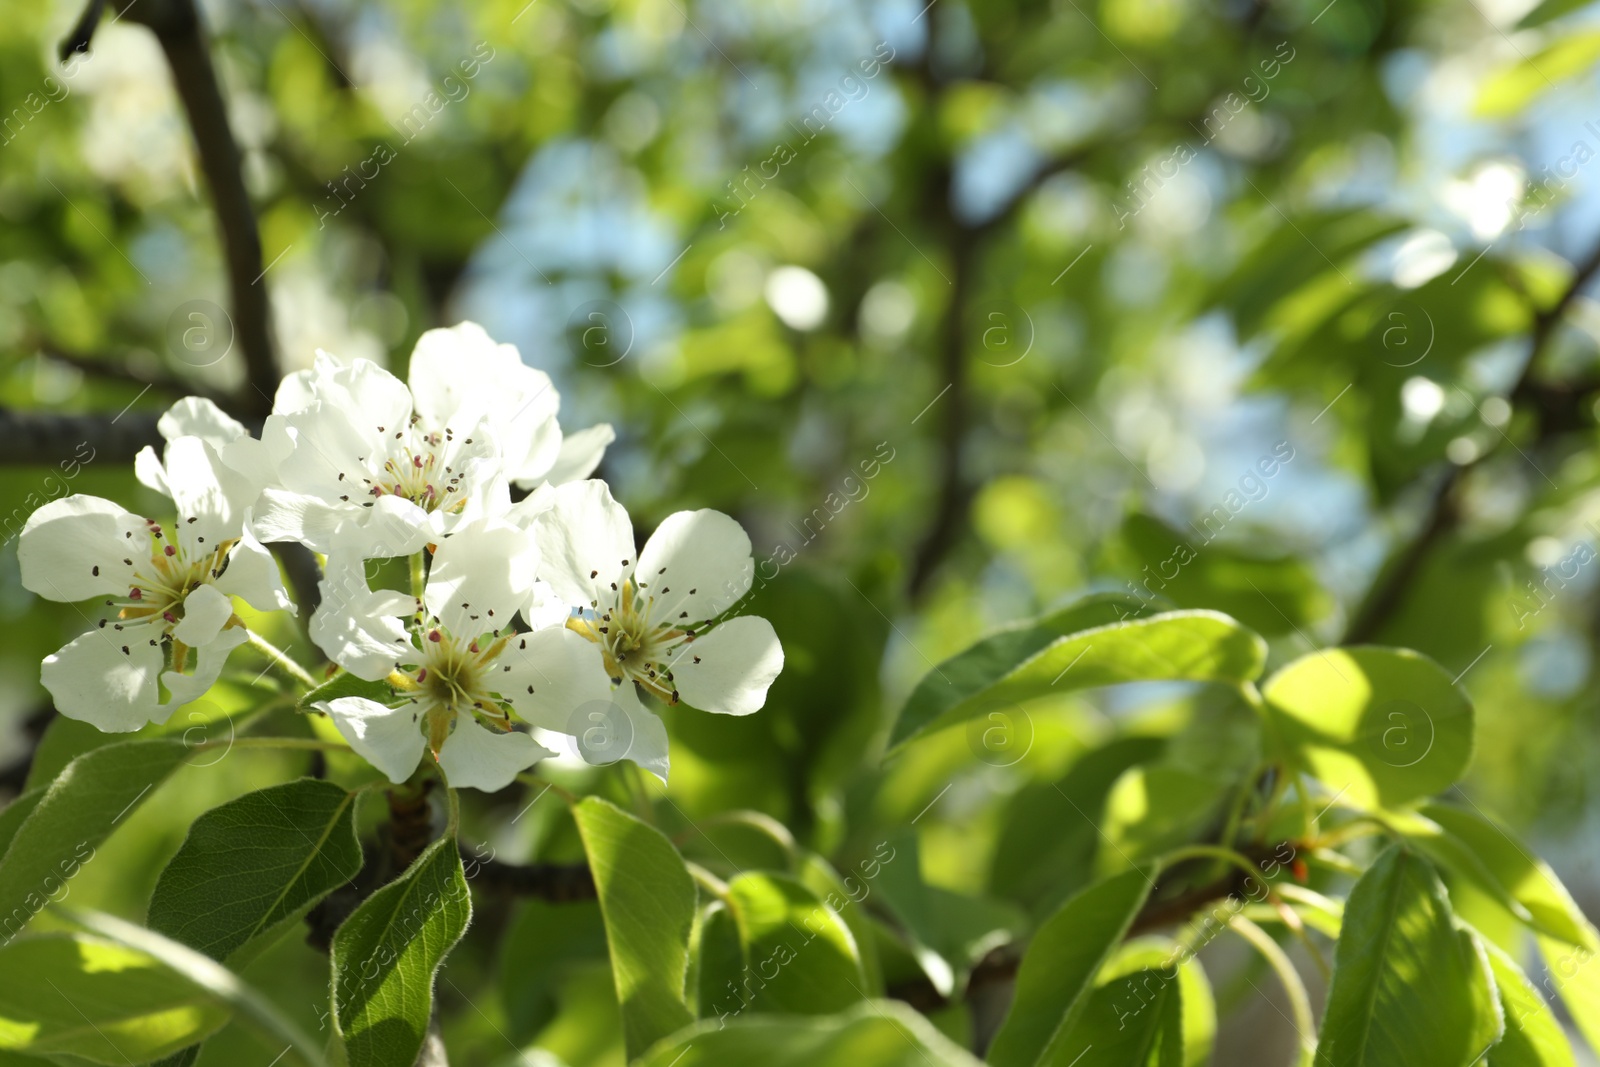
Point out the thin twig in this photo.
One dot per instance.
(177, 27)
(1395, 581)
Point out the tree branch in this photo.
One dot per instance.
(120, 372)
(555, 882)
(177, 27)
(49, 439)
(1395, 580)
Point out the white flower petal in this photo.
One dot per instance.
(458, 368)
(211, 498)
(474, 757)
(523, 512)
(580, 454)
(205, 611)
(696, 562)
(583, 536)
(460, 375)
(480, 576)
(206, 667)
(544, 608)
(365, 391)
(649, 746)
(72, 549)
(296, 392)
(391, 527)
(94, 681)
(729, 669)
(360, 629)
(388, 738)
(147, 468)
(252, 574)
(553, 675)
(251, 458)
(195, 416)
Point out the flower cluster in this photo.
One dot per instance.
(542, 613)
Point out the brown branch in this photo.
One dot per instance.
(556, 882)
(177, 27)
(111, 370)
(1395, 580)
(50, 439)
(1000, 965)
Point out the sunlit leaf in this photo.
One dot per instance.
(1533, 1036)
(98, 1000)
(1377, 726)
(1076, 649)
(880, 1033)
(1409, 986)
(1058, 970)
(647, 899)
(81, 808)
(1519, 84)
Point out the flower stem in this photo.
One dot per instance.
(277, 742)
(1228, 855)
(419, 578)
(1299, 1002)
(281, 659)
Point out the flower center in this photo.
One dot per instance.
(633, 644)
(415, 469)
(158, 586)
(454, 678)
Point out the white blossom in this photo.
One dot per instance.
(367, 466)
(653, 615)
(166, 621)
(461, 672)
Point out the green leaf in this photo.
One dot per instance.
(1533, 1036)
(1574, 973)
(817, 875)
(64, 740)
(873, 1034)
(85, 996)
(1133, 1020)
(255, 865)
(796, 953)
(1079, 649)
(1153, 809)
(1270, 594)
(647, 899)
(1199, 1006)
(1519, 84)
(1549, 11)
(1518, 873)
(1058, 970)
(15, 813)
(1380, 727)
(1409, 986)
(345, 684)
(207, 974)
(946, 932)
(967, 674)
(548, 942)
(82, 806)
(1049, 831)
(386, 954)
